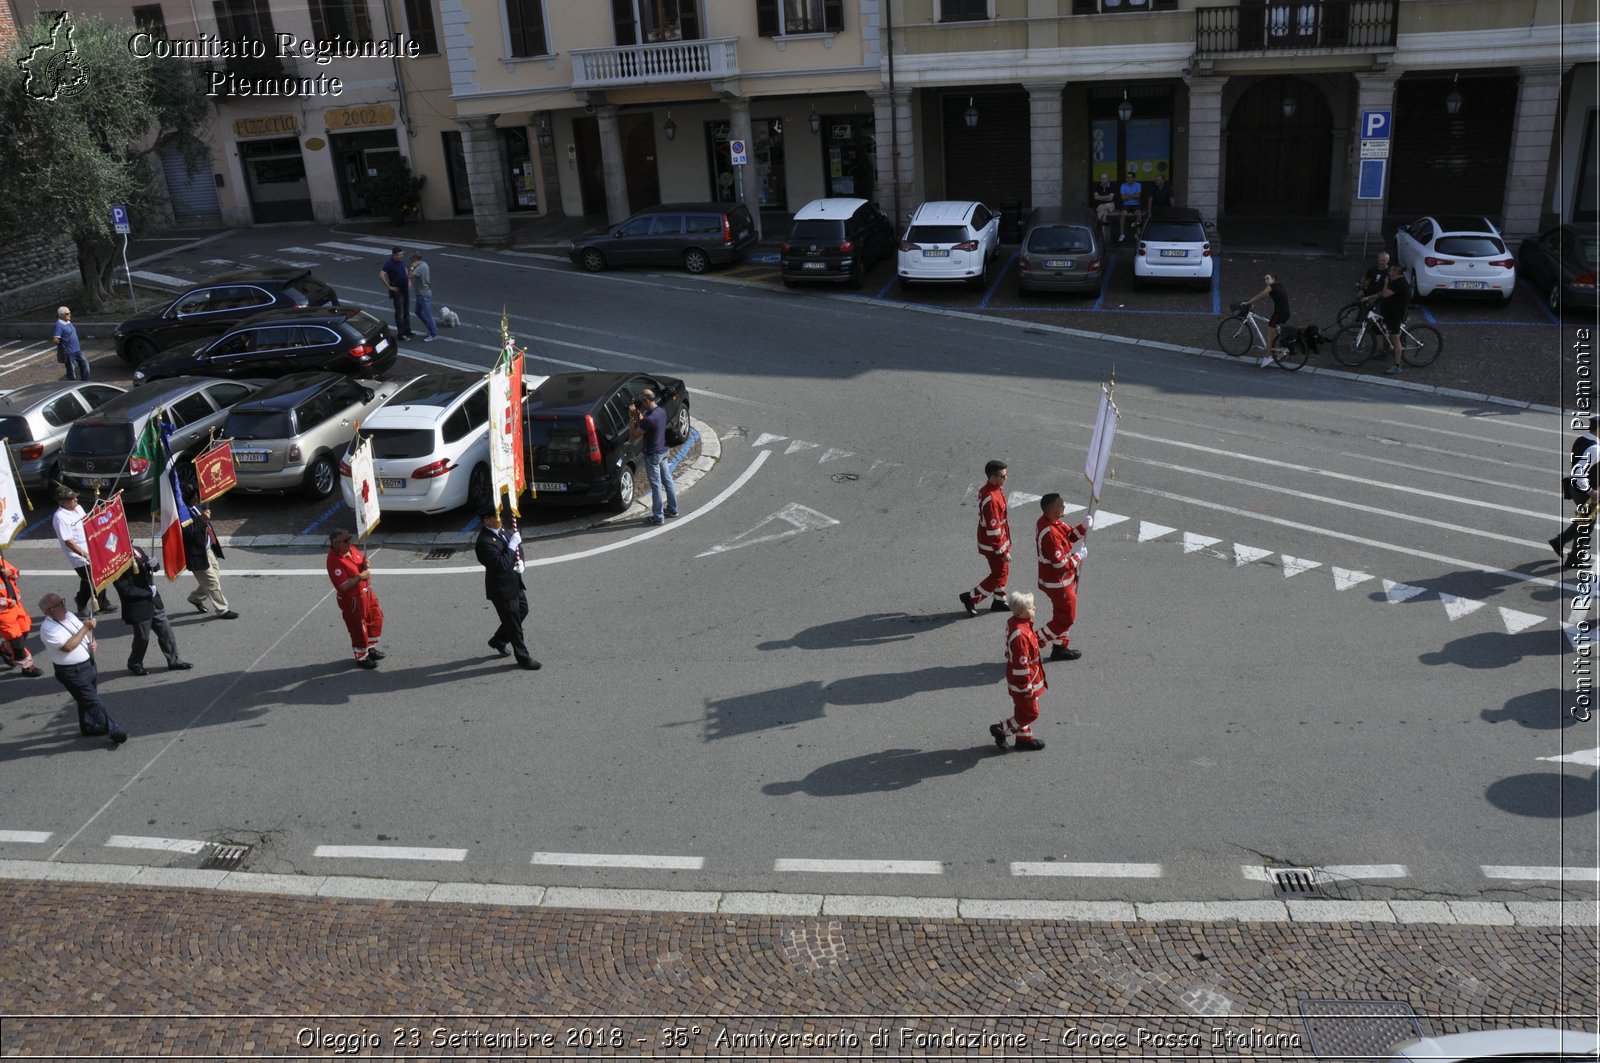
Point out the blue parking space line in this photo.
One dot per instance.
(998, 278)
(1427, 315)
(471, 525)
(1522, 279)
(885, 289)
(1105, 282)
(330, 511)
(1091, 310)
(683, 451)
(1216, 287)
(41, 522)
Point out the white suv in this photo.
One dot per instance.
(430, 445)
(950, 240)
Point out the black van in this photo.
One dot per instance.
(836, 240)
(576, 427)
(692, 235)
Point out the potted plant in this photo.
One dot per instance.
(394, 190)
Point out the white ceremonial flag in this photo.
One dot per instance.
(504, 414)
(11, 520)
(364, 485)
(1099, 456)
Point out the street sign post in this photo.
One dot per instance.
(121, 222)
(1373, 169)
(741, 158)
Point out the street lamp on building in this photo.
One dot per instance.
(545, 139)
(1288, 106)
(1124, 109)
(1452, 102)
(816, 120)
(670, 128)
(970, 115)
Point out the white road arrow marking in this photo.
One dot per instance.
(1243, 555)
(1148, 531)
(800, 444)
(735, 432)
(1106, 519)
(1589, 758)
(834, 455)
(1400, 592)
(161, 278)
(1455, 608)
(1345, 578)
(798, 517)
(767, 437)
(1293, 566)
(1193, 542)
(1517, 621)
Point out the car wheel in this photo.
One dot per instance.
(623, 496)
(480, 488)
(695, 260)
(321, 477)
(678, 430)
(593, 260)
(140, 350)
(981, 281)
(1553, 300)
(856, 279)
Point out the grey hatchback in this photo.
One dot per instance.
(291, 434)
(1061, 252)
(692, 235)
(35, 417)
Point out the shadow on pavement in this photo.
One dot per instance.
(892, 769)
(871, 629)
(1480, 584)
(1495, 649)
(807, 701)
(1539, 710)
(1545, 795)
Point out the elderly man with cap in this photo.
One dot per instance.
(499, 554)
(68, 525)
(69, 643)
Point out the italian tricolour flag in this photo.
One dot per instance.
(167, 507)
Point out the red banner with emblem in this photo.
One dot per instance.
(110, 545)
(214, 471)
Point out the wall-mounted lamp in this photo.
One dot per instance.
(1452, 102)
(816, 120)
(1288, 106)
(670, 129)
(545, 139)
(1124, 109)
(970, 115)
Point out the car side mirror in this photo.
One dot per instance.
(367, 394)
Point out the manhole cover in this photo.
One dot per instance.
(225, 857)
(1357, 1029)
(1295, 882)
(444, 553)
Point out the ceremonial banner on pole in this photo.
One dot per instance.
(214, 471)
(11, 519)
(364, 486)
(168, 507)
(110, 546)
(508, 466)
(1099, 456)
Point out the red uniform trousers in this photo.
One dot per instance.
(363, 618)
(1024, 710)
(995, 582)
(1063, 611)
(15, 624)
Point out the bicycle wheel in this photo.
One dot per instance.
(1352, 346)
(1420, 345)
(1292, 358)
(1349, 315)
(1234, 336)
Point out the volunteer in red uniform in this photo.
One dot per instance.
(15, 623)
(352, 582)
(1024, 675)
(1058, 572)
(994, 541)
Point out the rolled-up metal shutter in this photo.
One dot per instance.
(193, 196)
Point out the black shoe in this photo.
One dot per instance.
(199, 607)
(499, 647)
(108, 607)
(366, 662)
(999, 606)
(529, 663)
(91, 734)
(118, 737)
(376, 655)
(1029, 743)
(1555, 544)
(671, 513)
(1059, 652)
(181, 666)
(229, 615)
(32, 672)
(968, 604)
(138, 669)
(999, 733)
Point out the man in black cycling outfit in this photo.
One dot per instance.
(1395, 300)
(1376, 279)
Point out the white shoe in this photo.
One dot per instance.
(1266, 360)
(429, 339)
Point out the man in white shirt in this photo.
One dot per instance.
(69, 645)
(68, 525)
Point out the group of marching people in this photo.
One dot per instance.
(1061, 550)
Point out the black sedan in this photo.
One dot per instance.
(217, 305)
(1561, 265)
(279, 342)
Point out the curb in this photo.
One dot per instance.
(1460, 913)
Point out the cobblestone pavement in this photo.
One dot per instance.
(138, 972)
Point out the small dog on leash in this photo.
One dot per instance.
(1310, 338)
(448, 318)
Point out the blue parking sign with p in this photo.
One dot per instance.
(1375, 125)
(119, 219)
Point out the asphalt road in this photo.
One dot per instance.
(1327, 633)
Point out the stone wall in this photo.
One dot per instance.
(36, 269)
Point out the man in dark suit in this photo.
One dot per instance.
(199, 544)
(143, 610)
(503, 586)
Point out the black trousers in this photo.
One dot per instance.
(141, 638)
(511, 613)
(402, 311)
(85, 590)
(80, 681)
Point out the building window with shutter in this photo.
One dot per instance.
(345, 20)
(1121, 7)
(247, 21)
(964, 10)
(525, 25)
(419, 20)
(786, 18)
(149, 19)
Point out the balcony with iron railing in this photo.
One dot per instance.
(650, 64)
(1307, 25)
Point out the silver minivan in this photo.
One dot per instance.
(1061, 252)
(35, 417)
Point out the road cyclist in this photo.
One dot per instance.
(1244, 330)
(1383, 329)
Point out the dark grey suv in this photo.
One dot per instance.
(217, 305)
(692, 235)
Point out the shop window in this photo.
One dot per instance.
(525, 25)
(345, 20)
(419, 20)
(779, 18)
(964, 10)
(1121, 7)
(149, 19)
(766, 169)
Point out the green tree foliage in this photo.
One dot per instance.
(80, 120)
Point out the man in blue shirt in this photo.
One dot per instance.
(1131, 192)
(650, 424)
(394, 277)
(68, 352)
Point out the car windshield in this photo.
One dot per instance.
(1174, 232)
(100, 438)
(557, 440)
(258, 424)
(818, 229)
(365, 323)
(15, 429)
(1469, 246)
(1060, 239)
(1464, 223)
(938, 234)
(401, 442)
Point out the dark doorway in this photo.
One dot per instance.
(638, 134)
(522, 189)
(1279, 163)
(357, 156)
(849, 152)
(456, 166)
(591, 171)
(1451, 163)
(990, 161)
(275, 178)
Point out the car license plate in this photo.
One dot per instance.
(935, 254)
(1475, 285)
(550, 487)
(96, 483)
(1174, 252)
(390, 484)
(383, 345)
(1058, 263)
(814, 265)
(247, 456)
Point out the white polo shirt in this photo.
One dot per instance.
(68, 524)
(57, 633)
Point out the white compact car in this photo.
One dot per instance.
(950, 240)
(430, 445)
(1173, 246)
(1456, 254)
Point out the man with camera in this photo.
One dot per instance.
(650, 424)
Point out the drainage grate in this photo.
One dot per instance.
(1295, 882)
(443, 553)
(226, 857)
(1358, 1029)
